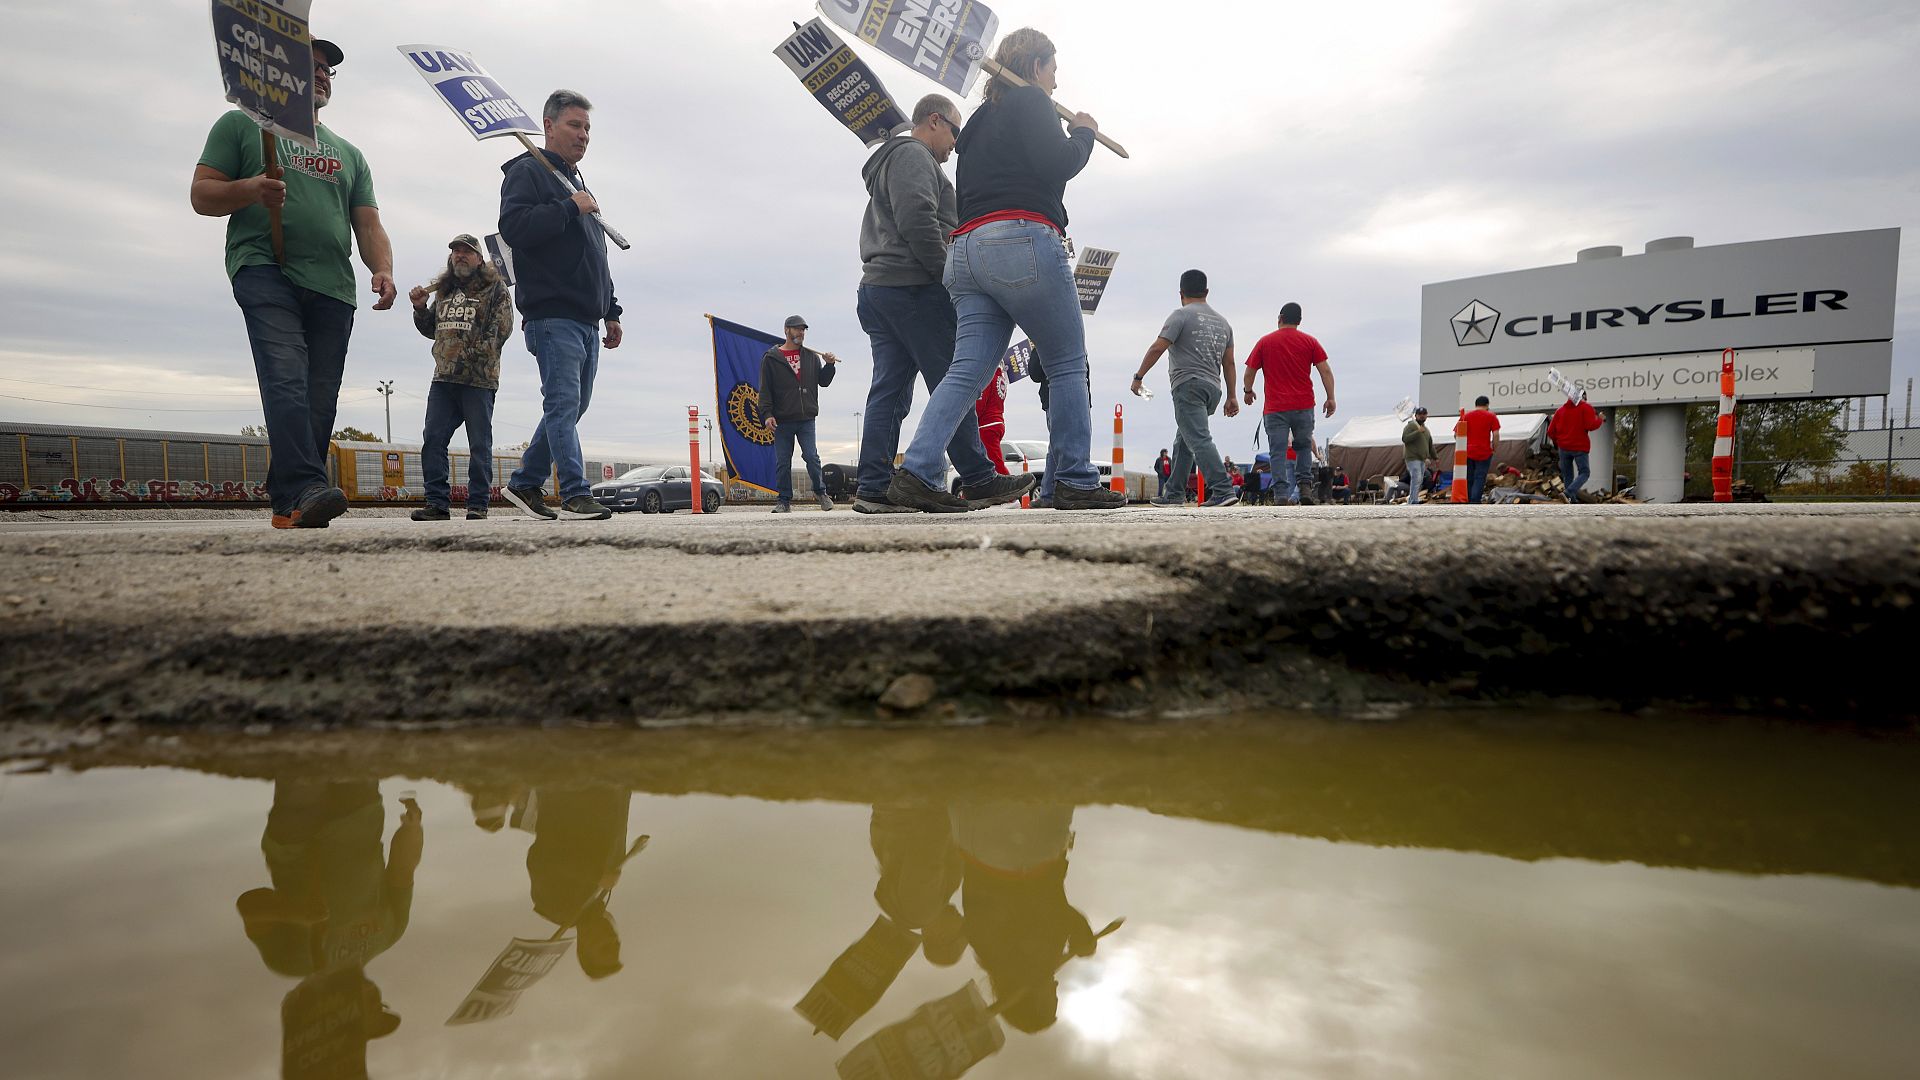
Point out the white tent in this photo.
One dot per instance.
(1369, 446)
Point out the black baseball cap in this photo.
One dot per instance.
(795, 320)
(1419, 410)
(1290, 313)
(328, 51)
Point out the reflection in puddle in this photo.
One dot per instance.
(492, 918)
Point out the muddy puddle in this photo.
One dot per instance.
(1459, 896)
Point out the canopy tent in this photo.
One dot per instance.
(1369, 447)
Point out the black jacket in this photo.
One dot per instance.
(1013, 157)
(559, 254)
(784, 397)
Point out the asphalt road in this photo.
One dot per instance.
(748, 615)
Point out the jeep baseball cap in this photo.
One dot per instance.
(795, 320)
(328, 51)
(468, 239)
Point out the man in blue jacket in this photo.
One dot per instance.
(565, 291)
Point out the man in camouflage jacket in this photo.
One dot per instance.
(470, 317)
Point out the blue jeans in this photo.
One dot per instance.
(1000, 275)
(1574, 472)
(1293, 427)
(568, 353)
(448, 406)
(1477, 478)
(911, 328)
(784, 436)
(1416, 476)
(1194, 401)
(299, 340)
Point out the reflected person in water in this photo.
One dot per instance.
(579, 849)
(336, 902)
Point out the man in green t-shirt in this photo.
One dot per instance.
(299, 313)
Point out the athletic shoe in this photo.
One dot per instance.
(1168, 500)
(1068, 497)
(477, 515)
(431, 513)
(585, 506)
(317, 507)
(826, 502)
(530, 501)
(1225, 498)
(878, 504)
(1000, 489)
(783, 508)
(906, 489)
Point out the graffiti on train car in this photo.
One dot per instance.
(115, 489)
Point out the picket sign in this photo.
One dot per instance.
(265, 47)
(485, 109)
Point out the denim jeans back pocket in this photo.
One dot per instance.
(1008, 263)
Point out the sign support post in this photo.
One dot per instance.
(270, 154)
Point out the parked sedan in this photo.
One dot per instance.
(658, 489)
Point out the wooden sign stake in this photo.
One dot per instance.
(997, 70)
(613, 234)
(270, 155)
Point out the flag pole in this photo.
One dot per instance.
(999, 71)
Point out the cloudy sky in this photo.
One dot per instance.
(1340, 155)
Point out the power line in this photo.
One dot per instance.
(121, 408)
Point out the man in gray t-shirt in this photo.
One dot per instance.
(1202, 347)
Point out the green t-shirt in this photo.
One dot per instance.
(322, 190)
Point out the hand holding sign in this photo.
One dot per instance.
(487, 111)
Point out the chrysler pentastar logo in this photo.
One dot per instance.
(1475, 324)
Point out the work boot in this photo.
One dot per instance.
(585, 506)
(431, 513)
(878, 504)
(315, 508)
(906, 489)
(826, 501)
(1000, 489)
(478, 513)
(1068, 497)
(530, 501)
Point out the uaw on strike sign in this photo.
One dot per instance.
(484, 107)
(266, 64)
(941, 39)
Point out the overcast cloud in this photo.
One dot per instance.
(1340, 155)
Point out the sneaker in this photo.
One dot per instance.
(1043, 502)
(1068, 497)
(431, 513)
(1000, 489)
(1168, 500)
(585, 506)
(317, 507)
(826, 502)
(477, 514)
(1225, 498)
(530, 501)
(878, 504)
(783, 508)
(910, 491)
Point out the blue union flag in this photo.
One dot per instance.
(745, 435)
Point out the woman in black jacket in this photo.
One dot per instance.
(1008, 266)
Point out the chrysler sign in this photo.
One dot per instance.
(1826, 300)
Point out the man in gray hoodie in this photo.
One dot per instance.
(904, 307)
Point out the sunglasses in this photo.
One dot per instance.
(949, 122)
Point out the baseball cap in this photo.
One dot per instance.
(1419, 410)
(795, 320)
(468, 239)
(1290, 313)
(328, 51)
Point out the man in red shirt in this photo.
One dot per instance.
(1570, 429)
(1482, 428)
(1288, 356)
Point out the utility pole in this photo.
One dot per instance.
(706, 447)
(386, 391)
